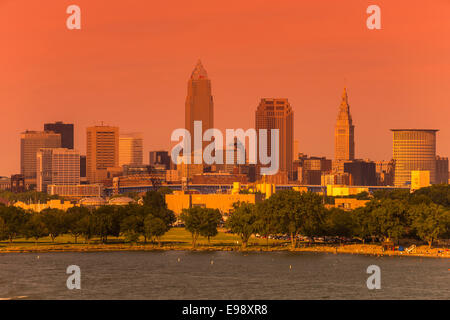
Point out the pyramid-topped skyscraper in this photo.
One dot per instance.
(344, 133)
(199, 102)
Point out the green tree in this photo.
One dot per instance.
(35, 227)
(266, 223)
(438, 194)
(73, 222)
(14, 220)
(201, 221)
(54, 220)
(108, 219)
(243, 221)
(296, 213)
(131, 227)
(155, 228)
(430, 221)
(339, 223)
(390, 219)
(3, 229)
(154, 200)
(88, 226)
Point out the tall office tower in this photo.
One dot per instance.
(441, 170)
(82, 166)
(344, 136)
(65, 130)
(30, 143)
(60, 166)
(413, 149)
(278, 114)
(131, 149)
(199, 102)
(102, 151)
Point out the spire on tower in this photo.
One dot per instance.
(199, 72)
(344, 95)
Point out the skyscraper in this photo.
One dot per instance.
(65, 130)
(199, 102)
(131, 149)
(30, 143)
(278, 114)
(102, 151)
(413, 149)
(344, 136)
(59, 166)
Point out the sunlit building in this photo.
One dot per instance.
(76, 191)
(344, 132)
(420, 179)
(199, 103)
(102, 152)
(59, 166)
(413, 149)
(277, 114)
(30, 143)
(131, 149)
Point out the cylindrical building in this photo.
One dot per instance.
(413, 149)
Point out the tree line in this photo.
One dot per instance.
(424, 215)
(150, 220)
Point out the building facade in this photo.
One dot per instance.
(76, 191)
(385, 172)
(102, 152)
(413, 149)
(160, 158)
(363, 173)
(30, 143)
(441, 170)
(310, 169)
(277, 114)
(65, 130)
(58, 166)
(131, 149)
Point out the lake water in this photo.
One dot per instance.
(221, 275)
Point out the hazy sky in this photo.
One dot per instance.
(129, 65)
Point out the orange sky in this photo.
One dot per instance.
(130, 63)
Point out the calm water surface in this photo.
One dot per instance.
(221, 275)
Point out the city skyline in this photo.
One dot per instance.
(405, 88)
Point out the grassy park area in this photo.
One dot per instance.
(180, 239)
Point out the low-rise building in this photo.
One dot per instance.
(349, 203)
(420, 179)
(50, 204)
(5, 183)
(180, 200)
(76, 191)
(342, 190)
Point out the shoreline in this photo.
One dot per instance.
(371, 250)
